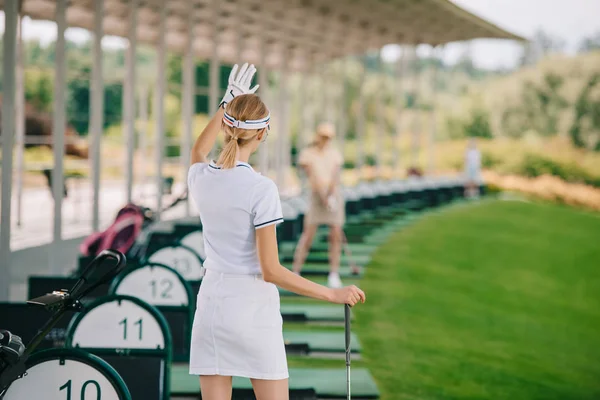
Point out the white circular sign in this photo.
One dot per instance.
(195, 241)
(155, 285)
(71, 380)
(181, 259)
(118, 325)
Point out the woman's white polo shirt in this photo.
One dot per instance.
(233, 203)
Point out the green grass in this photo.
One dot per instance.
(499, 300)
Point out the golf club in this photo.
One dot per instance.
(346, 246)
(347, 332)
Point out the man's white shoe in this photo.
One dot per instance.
(334, 281)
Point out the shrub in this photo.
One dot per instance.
(549, 188)
(492, 188)
(489, 160)
(479, 125)
(455, 128)
(348, 164)
(370, 160)
(534, 165)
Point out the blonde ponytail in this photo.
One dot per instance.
(228, 156)
(245, 107)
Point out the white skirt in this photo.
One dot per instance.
(237, 328)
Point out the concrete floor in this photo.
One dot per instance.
(31, 242)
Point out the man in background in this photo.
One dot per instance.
(472, 170)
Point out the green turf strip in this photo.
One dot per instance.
(322, 281)
(321, 341)
(323, 247)
(316, 269)
(490, 300)
(327, 382)
(312, 312)
(320, 258)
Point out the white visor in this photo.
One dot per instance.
(250, 124)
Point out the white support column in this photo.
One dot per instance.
(189, 90)
(360, 119)
(214, 69)
(399, 102)
(328, 109)
(20, 118)
(281, 134)
(96, 109)
(240, 34)
(129, 98)
(144, 134)
(213, 102)
(307, 121)
(436, 55)
(327, 79)
(263, 91)
(311, 107)
(301, 138)
(58, 129)
(380, 115)
(342, 125)
(318, 97)
(159, 110)
(416, 122)
(287, 109)
(11, 13)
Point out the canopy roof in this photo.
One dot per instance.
(303, 32)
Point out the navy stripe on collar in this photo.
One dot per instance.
(239, 164)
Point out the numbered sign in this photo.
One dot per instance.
(156, 284)
(118, 323)
(182, 259)
(68, 375)
(195, 241)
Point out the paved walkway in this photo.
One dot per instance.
(38, 211)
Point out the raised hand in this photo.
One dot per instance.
(239, 83)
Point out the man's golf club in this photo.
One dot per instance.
(347, 332)
(346, 246)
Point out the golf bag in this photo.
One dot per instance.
(120, 235)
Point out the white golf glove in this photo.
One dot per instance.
(239, 83)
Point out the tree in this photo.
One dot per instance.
(539, 109)
(590, 43)
(541, 44)
(585, 131)
(38, 89)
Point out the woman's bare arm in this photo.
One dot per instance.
(314, 184)
(335, 181)
(274, 272)
(207, 138)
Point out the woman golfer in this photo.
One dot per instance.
(323, 163)
(237, 327)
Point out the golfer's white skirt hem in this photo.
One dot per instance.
(238, 329)
(242, 374)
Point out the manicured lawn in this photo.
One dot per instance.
(496, 300)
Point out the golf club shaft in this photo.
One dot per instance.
(347, 334)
